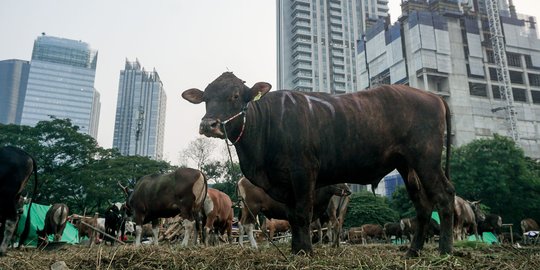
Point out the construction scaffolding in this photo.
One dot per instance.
(503, 75)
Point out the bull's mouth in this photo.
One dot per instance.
(211, 129)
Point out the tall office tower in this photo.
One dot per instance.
(61, 84)
(140, 112)
(443, 50)
(13, 79)
(317, 42)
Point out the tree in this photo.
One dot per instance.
(402, 204)
(199, 151)
(72, 168)
(496, 172)
(364, 208)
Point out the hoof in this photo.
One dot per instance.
(412, 253)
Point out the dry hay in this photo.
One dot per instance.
(234, 257)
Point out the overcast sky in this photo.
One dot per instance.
(188, 42)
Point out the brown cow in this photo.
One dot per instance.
(290, 143)
(465, 216)
(393, 229)
(218, 216)
(55, 223)
(181, 192)
(529, 225)
(254, 200)
(274, 226)
(16, 167)
(84, 229)
(371, 232)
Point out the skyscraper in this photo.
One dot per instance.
(13, 79)
(440, 47)
(317, 42)
(140, 112)
(61, 84)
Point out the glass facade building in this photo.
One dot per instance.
(316, 42)
(61, 84)
(13, 79)
(140, 112)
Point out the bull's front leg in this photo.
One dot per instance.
(9, 229)
(302, 212)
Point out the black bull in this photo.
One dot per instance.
(290, 143)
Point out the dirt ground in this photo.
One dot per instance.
(374, 256)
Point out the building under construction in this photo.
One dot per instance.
(446, 47)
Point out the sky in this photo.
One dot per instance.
(189, 43)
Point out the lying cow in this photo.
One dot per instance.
(155, 196)
(55, 223)
(218, 215)
(255, 201)
(16, 167)
(289, 143)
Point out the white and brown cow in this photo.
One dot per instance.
(16, 167)
(55, 223)
(218, 216)
(155, 196)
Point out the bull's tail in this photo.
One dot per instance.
(448, 138)
(26, 229)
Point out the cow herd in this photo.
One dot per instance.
(296, 151)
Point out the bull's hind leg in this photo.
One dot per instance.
(440, 192)
(423, 209)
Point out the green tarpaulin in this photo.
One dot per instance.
(487, 236)
(37, 219)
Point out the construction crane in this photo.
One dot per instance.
(503, 75)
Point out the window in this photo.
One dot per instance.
(534, 79)
(519, 94)
(495, 91)
(477, 89)
(514, 59)
(535, 96)
(493, 74)
(516, 77)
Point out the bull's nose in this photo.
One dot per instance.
(209, 126)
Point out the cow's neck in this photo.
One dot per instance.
(250, 143)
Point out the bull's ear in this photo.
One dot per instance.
(259, 90)
(193, 95)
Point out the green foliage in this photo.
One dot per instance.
(224, 175)
(364, 208)
(496, 172)
(72, 168)
(402, 204)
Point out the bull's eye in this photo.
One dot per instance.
(236, 96)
